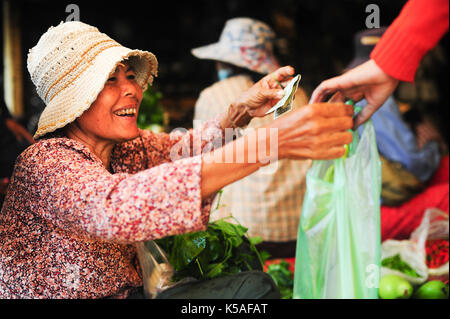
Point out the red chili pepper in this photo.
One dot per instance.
(437, 252)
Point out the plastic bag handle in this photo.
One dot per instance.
(357, 110)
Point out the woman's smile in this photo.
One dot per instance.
(112, 118)
(113, 115)
(127, 111)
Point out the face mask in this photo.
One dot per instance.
(223, 74)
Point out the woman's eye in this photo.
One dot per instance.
(131, 76)
(112, 79)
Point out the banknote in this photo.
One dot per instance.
(285, 104)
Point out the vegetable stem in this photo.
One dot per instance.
(199, 266)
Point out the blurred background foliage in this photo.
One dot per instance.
(151, 114)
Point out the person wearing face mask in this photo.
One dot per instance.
(269, 201)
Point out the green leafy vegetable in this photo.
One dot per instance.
(283, 278)
(150, 111)
(395, 262)
(222, 249)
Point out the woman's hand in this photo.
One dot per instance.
(260, 98)
(315, 131)
(365, 81)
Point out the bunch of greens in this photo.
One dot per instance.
(395, 262)
(283, 278)
(222, 249)
(150, 111)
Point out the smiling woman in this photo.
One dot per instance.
(112, 117)
(94, 184)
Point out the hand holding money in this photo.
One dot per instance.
(285, 104)
(264, 94)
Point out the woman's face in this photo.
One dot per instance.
(113, 115)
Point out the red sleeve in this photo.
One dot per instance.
(417, 29)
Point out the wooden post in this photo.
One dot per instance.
(12, 59)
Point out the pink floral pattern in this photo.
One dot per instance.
(68, 225)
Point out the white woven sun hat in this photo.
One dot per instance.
(244, 42)
(70, 65)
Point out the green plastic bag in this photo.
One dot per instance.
(338, 246)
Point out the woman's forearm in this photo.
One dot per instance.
(235, 116)
(231, 163)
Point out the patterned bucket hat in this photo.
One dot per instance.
(70, 65)
(244, 42)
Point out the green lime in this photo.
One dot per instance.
(395, 287)
(434, 289)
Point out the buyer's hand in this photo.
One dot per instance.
(315, 131)
(264, 94)
(365, 81)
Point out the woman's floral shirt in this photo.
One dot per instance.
(68, 225)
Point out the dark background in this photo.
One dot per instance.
(314, 36)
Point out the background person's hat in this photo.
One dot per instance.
(363, 44)
(244, 42)
(69, 67)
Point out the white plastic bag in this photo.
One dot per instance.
(156, 269)
(434, 225)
